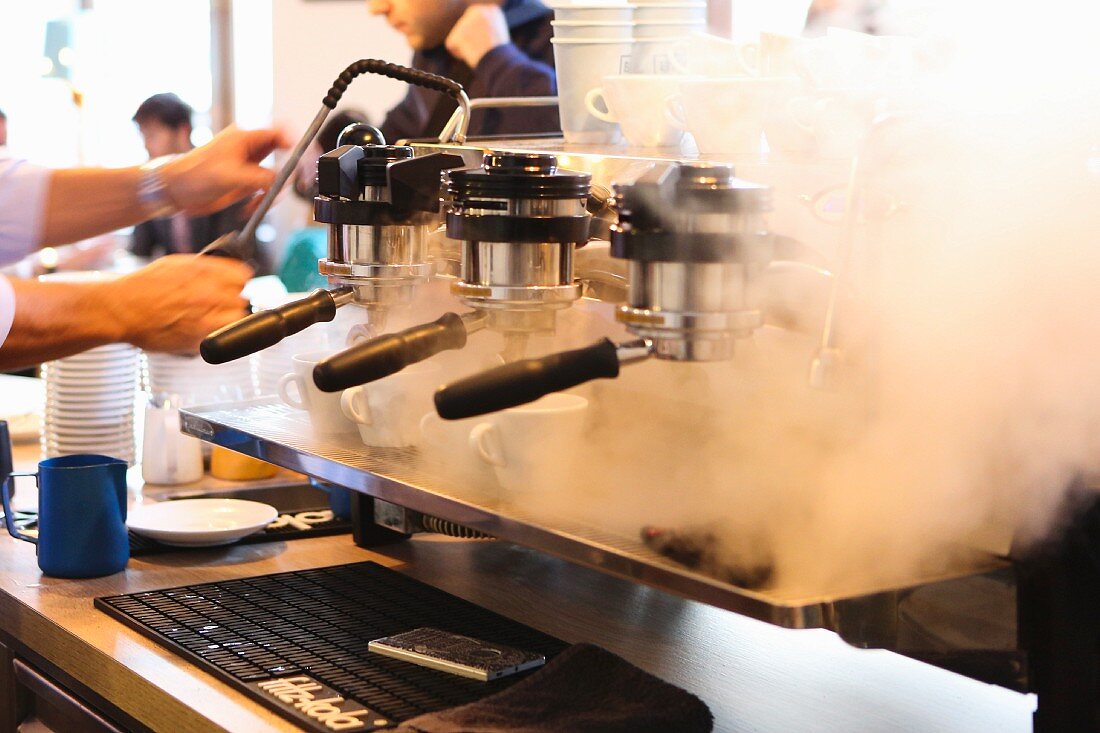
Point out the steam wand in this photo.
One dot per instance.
(823, 366)
(228, 245)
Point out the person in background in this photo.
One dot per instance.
(164, 121)
(169, 305)
(3, 132)
(499, 48)
(298, 271)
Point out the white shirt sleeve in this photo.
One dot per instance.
(23, 188)
(7, 308)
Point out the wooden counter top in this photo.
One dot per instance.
(754, 677)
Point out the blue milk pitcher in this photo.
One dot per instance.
(81, 516)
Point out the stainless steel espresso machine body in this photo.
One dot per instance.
(1026, 623)
(378, 201)
(695, 241)
(518, 218)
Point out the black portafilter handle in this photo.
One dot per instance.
(526, 380)
(258, 331)
(380, 357)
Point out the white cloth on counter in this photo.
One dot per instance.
(7, 308)
(23, 188)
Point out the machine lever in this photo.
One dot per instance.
(526, 380)
(380, 357)
(267, 328)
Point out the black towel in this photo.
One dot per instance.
(585, 689)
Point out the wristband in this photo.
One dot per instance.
(152, 192)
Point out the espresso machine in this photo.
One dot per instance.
(696, 250)
(519, 218)
(695, 242)
(379, 202)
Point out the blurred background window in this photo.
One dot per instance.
(98, 59)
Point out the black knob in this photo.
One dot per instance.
(360, 133)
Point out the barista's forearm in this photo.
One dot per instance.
(84, 202)
(53, 320)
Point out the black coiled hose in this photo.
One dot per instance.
(394, 71)
(442, 526)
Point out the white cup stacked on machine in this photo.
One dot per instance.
(590, 41)
(596, 46)
(90, 403)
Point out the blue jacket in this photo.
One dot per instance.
(522, 68)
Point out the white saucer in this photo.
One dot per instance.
(200, 522)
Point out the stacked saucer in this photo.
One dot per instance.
(195, 382)
(90, 403)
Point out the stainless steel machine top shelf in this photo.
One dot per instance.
(265, 428)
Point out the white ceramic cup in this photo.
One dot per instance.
(668, 28)
(653, 55)
(388, 412)
(671, 12)
(298, 390)
(710, 55)
(581, 63)
(532, 448)
(727, 116)
(448, 442)
(167, 455)
(638, 103)
(593, 29)
(834, 121)
(585, 12)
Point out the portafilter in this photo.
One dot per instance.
(378, 202)
(518, 218)
(695, 240)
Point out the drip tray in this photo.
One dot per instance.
(297, 642)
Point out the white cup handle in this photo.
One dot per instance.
(354, 404)
(590, 104)
(359, 333)
(485, 444)
(674, 112)
(283, 388)
(748, 56)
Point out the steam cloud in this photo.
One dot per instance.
(969, 384)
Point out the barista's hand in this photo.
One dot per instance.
(175, 302)
(480, 29)
(223, 171)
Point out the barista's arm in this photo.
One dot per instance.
(83, 202)
(169, 305)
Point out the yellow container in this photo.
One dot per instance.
(233, 466)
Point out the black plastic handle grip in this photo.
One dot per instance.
(525, 381)
(266, 328)
(385, 355)
(394, 71)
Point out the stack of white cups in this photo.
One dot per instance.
(194, 382)
(594, 42)
(90, 403)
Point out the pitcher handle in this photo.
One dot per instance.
(5, 496)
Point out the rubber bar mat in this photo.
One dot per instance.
(297, 641)
(297, 525)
